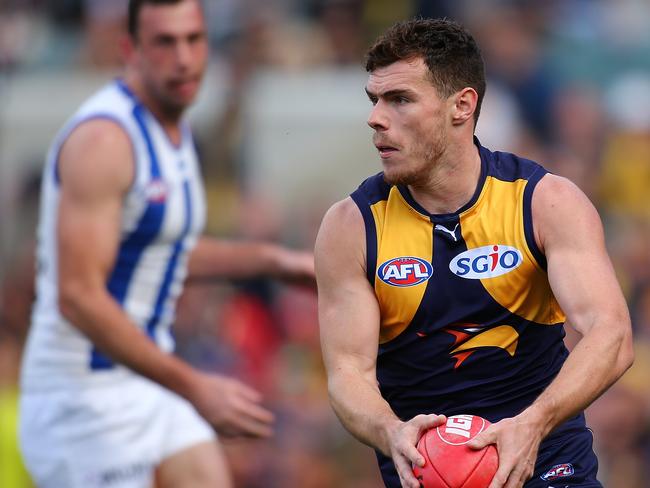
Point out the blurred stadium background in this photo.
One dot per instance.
(281, 129)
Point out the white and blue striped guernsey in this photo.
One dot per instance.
(163, 215)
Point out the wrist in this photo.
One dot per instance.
(541, 418)
(183, 379)
(272, 259)
(388, 431)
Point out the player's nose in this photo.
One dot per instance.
(184, 54)
(377, 119)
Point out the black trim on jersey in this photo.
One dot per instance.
(510, 167)
(529, 230)
(374, 188)
(359, 197)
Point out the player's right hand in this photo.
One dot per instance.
(403, 440)
(231, 407)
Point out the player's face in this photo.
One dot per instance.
(409, 119)
(171, 53)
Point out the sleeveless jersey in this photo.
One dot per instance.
(163, 214)
(469, 324)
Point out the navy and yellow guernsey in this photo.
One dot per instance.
(469, 323)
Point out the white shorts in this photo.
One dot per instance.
(109, 437)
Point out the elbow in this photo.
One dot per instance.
(332, 388)
(626, 352)
(338, 385)
(70, 299)
(624, 346)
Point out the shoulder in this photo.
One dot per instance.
(342, 234)
(342, 226)
(556, 193)
(561, 211)
(99, 132)
(343, 213)
(98, 153)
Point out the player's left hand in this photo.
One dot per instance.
(517, 441)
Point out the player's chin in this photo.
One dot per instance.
(185, 99)
(177, 104)
(182, 95)
(394, 176)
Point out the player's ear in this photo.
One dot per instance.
(465, 102)
(127, 47)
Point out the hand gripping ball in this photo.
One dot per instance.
(449, 463)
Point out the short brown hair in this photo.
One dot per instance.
(134, 12)
(450, 52)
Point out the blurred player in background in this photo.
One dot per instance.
(446, 280)
(104, 401)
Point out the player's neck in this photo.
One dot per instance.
(169, 120)
(452, 181)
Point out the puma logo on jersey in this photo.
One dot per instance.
(452, 233)
(405, 271)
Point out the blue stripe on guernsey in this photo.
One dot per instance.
(171, 266)
(134, 245)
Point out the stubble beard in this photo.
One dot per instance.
(168, 108)
(172, 109)
(427, 156)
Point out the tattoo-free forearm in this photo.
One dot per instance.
(361, 409)
(596, 362)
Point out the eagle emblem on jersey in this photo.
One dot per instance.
(471, 337)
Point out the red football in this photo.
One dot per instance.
(449, 463)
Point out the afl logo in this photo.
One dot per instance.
(558, 471)
(486, 262)
(156, 191)
(405, 271)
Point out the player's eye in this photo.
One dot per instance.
(164, 41)
(196, 37)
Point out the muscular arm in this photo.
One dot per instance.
(96, 169)
(582, 278)
(569, 232)
(349, 329)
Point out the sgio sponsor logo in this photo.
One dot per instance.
(486, 262)
(405, 271)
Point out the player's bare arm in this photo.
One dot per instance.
(349, 328)
(569, 232)
(96, 169)
(219, 258)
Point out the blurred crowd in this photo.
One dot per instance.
(568, 86)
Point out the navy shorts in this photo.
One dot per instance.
(565, 460)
